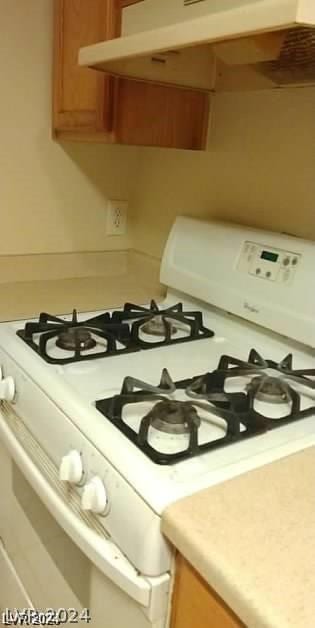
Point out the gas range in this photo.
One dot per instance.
(144, 405)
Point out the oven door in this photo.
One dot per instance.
(54, 556)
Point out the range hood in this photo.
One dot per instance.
(274, 39)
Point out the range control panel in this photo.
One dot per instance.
(268, 263)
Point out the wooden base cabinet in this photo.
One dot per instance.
(195, 604)
(91, 106)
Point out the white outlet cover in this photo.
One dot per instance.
(116, 223)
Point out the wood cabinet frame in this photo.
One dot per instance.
(90, 106)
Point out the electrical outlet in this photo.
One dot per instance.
(116, 217)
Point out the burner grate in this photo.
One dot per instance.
(256, 364)
(162, 322)
(207, 391)
(120, 332)
(99, 328)
(136, 391)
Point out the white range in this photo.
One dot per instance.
(107, 418)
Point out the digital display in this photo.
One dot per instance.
(271, 257)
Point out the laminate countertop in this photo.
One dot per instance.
(253, 540)
(26, 299)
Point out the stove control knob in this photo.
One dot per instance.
(7, 389)
(71, 467)
(94, 496)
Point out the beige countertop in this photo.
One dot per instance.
(57, 283)
(253, 540)
(26, 299)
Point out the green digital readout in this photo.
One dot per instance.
(271, 257)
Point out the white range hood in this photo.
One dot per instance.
(276, 37)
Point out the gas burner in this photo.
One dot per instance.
(256, 365)
(111, 334)
(164, 323)
(53, 337)
(75, 338)
(173, 417)
(270, 389)
(278, 389)
(205, 401)
(157, 326)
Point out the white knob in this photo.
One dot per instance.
(7, 389)
(71, 468)
(94, 496)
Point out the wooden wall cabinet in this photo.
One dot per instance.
(195, 604)
(90, 106)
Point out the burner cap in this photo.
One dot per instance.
(270, 389)
(75, 338)
(156, 326)
(174, 417)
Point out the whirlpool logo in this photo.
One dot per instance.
(250, 308)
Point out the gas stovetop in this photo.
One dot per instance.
(63, 341)
(171, 422)
(182, 400)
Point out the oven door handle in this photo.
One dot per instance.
(102, 552)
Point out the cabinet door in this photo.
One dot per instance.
(88, 105)
(83, 97)
(196, 604)
(155, 115)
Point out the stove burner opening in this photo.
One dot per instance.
(75, 339)
(173, 417)
(157, 326)
(270, 389)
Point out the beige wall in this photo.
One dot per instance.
(52, 197)
(259, 170)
